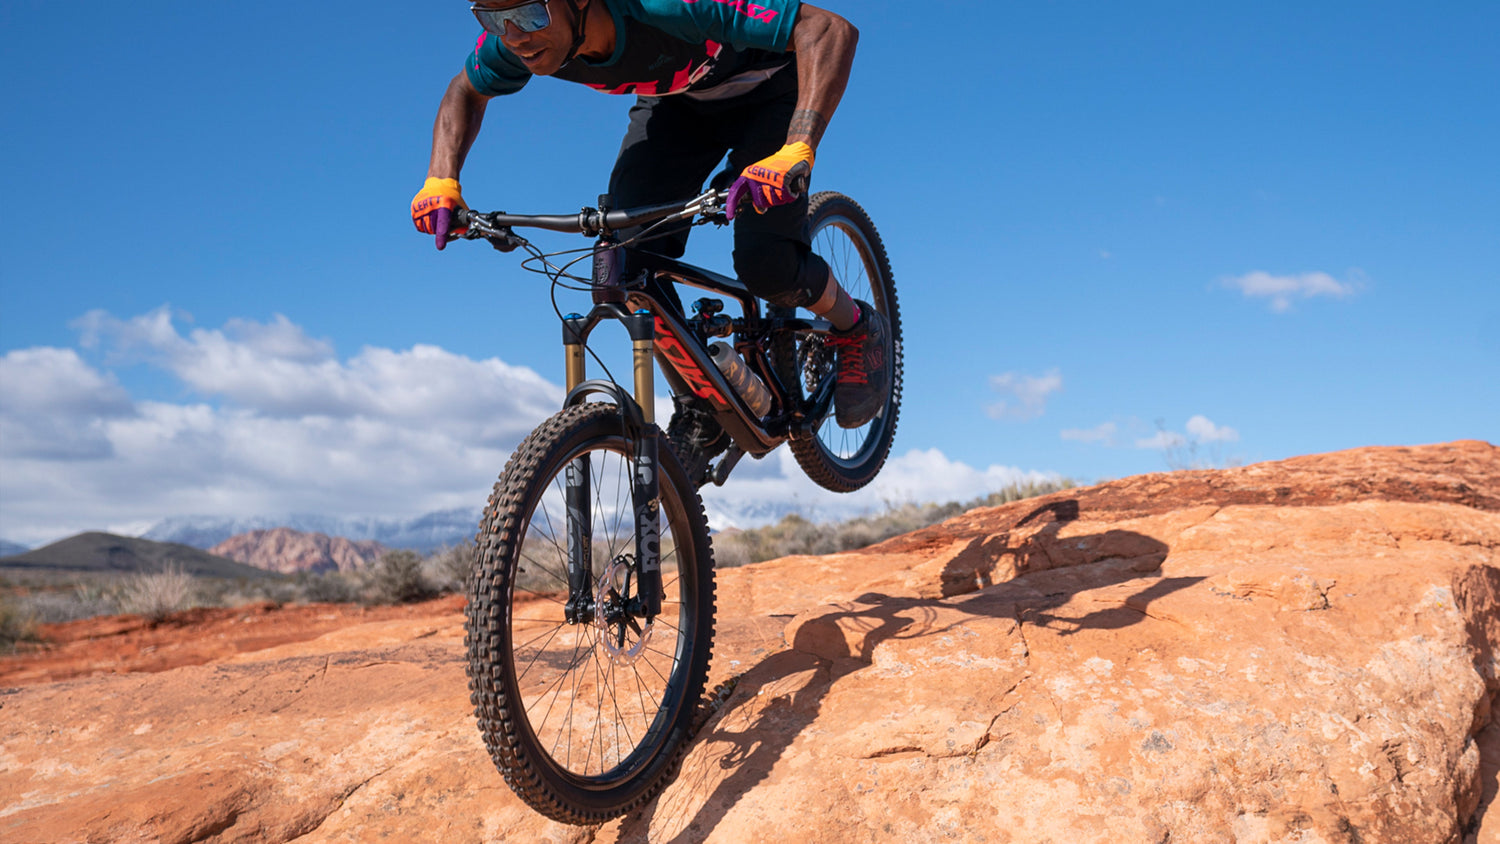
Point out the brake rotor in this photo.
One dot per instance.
(616, 624)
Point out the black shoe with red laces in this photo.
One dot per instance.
(864, 374)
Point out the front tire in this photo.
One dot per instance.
(587, 720)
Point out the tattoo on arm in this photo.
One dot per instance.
(807, 122)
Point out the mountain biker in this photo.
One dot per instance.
(756, 80)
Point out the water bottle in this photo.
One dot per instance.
(741, 378)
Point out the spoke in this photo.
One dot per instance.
(652, 665)
(551, 536)
(619, 719)
(620, 481)
(549, 637)
(544, 569)
(537, 726)
(598, 711)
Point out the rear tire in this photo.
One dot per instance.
(587, 720)
(839, 459)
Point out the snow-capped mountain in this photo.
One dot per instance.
(423, 533)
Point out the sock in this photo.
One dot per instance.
(837, 307)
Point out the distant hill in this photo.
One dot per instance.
(290, 551)
(8, 548)
(97, 553)
(423, 533)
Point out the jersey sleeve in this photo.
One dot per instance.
(494, 70)
(743, 24)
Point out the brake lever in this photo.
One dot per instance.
(709, 206)
(502, 238)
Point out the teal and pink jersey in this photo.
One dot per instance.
(707, 49)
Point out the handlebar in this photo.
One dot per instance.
(495, 226)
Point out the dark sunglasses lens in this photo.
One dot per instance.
(527, 18)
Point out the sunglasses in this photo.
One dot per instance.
(528, 17)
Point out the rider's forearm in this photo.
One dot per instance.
(824, 44)
(458, 120)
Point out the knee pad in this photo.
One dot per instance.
(788, 274)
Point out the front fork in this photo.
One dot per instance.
(645, 479)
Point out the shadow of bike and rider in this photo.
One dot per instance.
(1039, 572)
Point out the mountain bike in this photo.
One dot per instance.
(590, 617)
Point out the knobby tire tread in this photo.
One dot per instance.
(809, 451)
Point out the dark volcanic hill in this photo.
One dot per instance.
(96, 553)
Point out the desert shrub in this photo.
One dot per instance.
(17, 624)
(397, 579)
(731, 550)
(329, 587)
(448, 568)
(156, 595)
(55, 606)
(794, 534)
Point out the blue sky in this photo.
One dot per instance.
(1258, 229)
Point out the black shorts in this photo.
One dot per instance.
(673, 145)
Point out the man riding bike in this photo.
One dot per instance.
(756, 80)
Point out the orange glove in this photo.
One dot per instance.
(433, 207)
(775, 180)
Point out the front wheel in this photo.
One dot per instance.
(585, 705)
(836, 458)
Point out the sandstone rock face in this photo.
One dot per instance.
(1301, 651)
(289, 551)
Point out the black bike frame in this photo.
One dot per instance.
(635, 287)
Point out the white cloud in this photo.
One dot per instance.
(760, 491)
(1103, 433)
(1200, 428)
(1162, 440)
(275, 369)
(1027, 394)
(282, 425)
(1282, 289)
(277, 423)
(1199, 448)
(53, 405)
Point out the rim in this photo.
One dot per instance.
(839, 241)
(596, 696)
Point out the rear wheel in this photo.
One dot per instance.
(587, 714)
(836, 458)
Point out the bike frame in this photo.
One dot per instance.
(636, 288)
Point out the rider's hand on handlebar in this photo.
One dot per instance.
(434, 207)
(775, 180)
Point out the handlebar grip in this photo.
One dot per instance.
(797, 184)
(460, 219)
